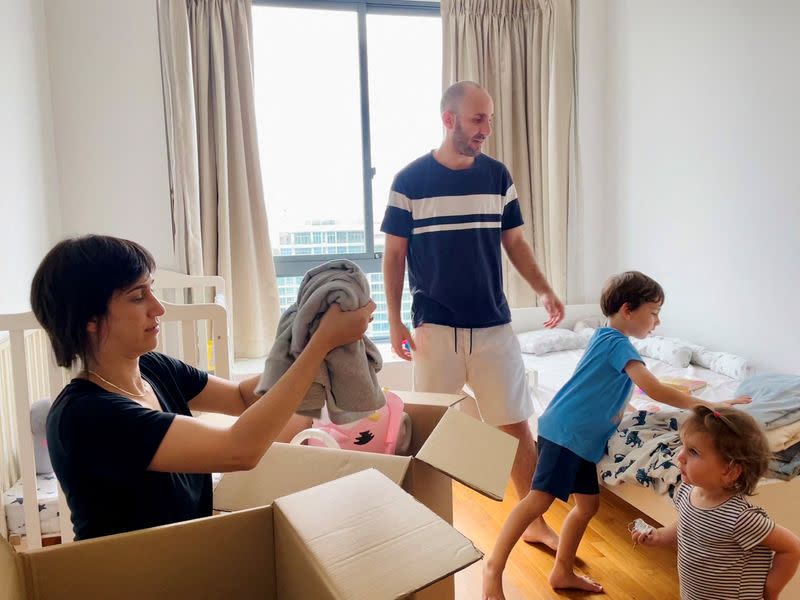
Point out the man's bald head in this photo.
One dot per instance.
(467, 113)
(452, 97)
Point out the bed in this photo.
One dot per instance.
(548, 372)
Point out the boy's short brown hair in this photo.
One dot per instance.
(632, 288)
(739, 440)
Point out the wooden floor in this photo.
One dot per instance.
(606, 551)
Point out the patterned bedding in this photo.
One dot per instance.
(643, 451)
(47, 495)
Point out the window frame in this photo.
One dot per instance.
(369, 261)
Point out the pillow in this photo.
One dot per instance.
(668, 350)
(542, 341)
(724, 363)
(586, 334)
(590, 323)
(735, 367)
(41, 456)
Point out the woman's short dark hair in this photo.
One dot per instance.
(632, 288)
(75, 283)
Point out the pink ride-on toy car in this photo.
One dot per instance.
(386, 431)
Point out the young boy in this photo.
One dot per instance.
(578, 423)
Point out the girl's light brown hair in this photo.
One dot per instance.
(739, 440)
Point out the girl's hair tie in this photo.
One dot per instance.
(716, 413)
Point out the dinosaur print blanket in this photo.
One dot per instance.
(643, 451)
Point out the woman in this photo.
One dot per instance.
(122, 440)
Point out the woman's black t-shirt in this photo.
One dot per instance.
(101, 444)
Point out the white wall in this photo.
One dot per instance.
(28, 201)
(701, 182)
(109, 121)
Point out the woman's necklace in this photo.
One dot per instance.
(116, 387)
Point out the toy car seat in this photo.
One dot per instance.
(386, 431)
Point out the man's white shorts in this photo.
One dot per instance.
(487, 359)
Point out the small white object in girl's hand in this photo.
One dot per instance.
(640, 526)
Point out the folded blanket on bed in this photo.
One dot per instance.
(346, 382)
(776, 399)
(786, 463)
(781, 438)
(643, 451)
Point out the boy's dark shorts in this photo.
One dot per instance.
(560, 472)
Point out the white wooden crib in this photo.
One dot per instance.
(179, 288)
(28, 373)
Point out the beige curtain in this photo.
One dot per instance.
(521, 51)
(219, 217)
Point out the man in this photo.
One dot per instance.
(448, 213)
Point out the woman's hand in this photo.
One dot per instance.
(339, 327)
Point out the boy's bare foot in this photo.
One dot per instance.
(492, 585)
(539, 532)
(569, 579)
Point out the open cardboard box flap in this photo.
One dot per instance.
(469, 451)
(358, 537)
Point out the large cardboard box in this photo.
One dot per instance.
(357, 537)
(281, 509)
(447, 444)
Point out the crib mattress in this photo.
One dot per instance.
(47, 496)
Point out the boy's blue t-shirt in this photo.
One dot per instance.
(585, 412)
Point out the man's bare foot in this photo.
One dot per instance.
(569, 579)
(539, 532)
(492, 585)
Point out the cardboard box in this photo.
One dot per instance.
(318, 543)
(447, 444)
(290, 517)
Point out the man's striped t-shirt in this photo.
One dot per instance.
(453, 220)
(719, 551)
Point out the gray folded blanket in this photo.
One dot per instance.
(346, 382)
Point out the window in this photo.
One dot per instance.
(347, 93)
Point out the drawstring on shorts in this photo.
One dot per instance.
(455, 340)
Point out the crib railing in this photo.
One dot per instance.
(178, 289)
(28, 373)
